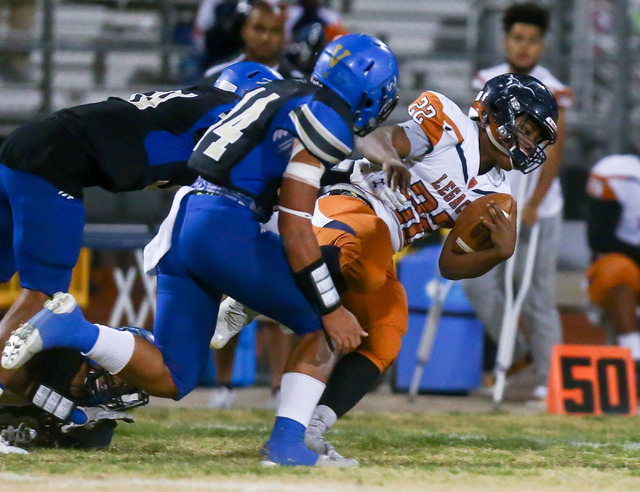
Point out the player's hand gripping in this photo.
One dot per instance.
(503, 229)
(343, 329)
(398, 176)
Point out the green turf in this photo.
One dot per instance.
(589, 452)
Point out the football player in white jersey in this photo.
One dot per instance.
(452, 160)
(613, 222)
(525, 26)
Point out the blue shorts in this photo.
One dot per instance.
(40, 232)
(217, 247)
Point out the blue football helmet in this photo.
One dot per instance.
(507, 97)
(363, 71)
(243, 77)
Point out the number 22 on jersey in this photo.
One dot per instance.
(422, 109)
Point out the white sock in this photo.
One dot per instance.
(113, 349)
(632, 342)
(299, 395)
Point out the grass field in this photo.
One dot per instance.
(198, 449)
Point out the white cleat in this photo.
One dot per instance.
(318, 444)
(221, 398)
(61, 303)
(232, 318)
(26, 341)
(323, 461)
(336, 461)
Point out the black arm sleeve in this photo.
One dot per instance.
(603, 218)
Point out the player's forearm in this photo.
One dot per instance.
(300, 243)
(386, 143)
(378, 146)
(455, 266)
(297, 201)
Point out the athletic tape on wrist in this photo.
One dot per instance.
(316, 284)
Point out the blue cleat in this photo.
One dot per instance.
(59, 324)
(286, 448)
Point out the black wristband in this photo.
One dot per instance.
(316, 284)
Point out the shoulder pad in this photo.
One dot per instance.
(428, 111)
(322, 131)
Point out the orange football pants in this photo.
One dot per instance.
(612, 270)
(374, 294)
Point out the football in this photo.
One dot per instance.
(469, 233)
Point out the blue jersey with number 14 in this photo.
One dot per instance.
(248, 149)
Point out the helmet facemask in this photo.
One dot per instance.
(363, 125)
(103, 388)
(511, 138)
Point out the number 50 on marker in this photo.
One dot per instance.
(592, 380)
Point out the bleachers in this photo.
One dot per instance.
(106, 50)
(99, 49)
(429, 37)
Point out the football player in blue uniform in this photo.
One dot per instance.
(119, 145)
(271, 148)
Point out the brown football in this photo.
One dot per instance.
(469, 233)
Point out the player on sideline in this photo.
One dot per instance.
(613, 229)
(119, 145)
(278, 138)
(453, 160)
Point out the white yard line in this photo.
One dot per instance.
(26, 483)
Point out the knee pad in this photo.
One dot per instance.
(609, 271)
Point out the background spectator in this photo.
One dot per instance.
(264, 41)
(15, 66)
(309, 12)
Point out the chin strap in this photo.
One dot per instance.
(497, 145)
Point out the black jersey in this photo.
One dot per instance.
(249, 148)
(116, 144)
